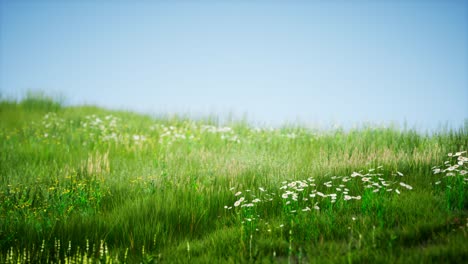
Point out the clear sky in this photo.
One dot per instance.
(313, 62)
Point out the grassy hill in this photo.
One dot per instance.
(85, 183)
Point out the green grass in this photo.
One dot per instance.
(79, 183)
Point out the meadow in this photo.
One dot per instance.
(82, 184)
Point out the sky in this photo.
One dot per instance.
(312, 63)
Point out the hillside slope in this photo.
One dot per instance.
(89, 183)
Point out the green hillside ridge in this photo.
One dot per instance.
(82, 183)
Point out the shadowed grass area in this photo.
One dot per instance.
(79, 183)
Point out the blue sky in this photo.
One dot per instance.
(313, 62)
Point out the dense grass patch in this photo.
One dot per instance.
(84, 183)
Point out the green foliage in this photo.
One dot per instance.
(38, 101)
(82, 184)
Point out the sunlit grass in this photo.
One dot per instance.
(82, 183)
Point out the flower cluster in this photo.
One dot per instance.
(456, 165)
(310, 194)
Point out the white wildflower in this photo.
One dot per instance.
(321, 194)
(452, 168)
(406, 185)
(238, 202)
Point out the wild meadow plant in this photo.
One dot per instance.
(84, 184)
(453, 180)
(301, 199)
